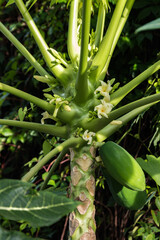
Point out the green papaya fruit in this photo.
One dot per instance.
(126, 197)
(122, 166)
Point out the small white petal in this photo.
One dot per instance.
(104, 89)
(87, 136)
(103, 109)
(106, 97)
(45, 116)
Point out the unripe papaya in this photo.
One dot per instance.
(126, 197)
(122, 166)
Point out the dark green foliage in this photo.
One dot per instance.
(14, 235)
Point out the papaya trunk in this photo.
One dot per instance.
(82, 221)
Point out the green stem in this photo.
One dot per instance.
(129, 107)
(76, 142)
(72, 44)
(117, 96)
(111, 129)
(122, 22)
(98, 124)
(101, 57)
(44, 128)
(64, 116)
(100, 25)
(56, 70)
(24, 51)
(82, 79)
(37, 101)
(54, 166)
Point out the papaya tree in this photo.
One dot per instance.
(81, 104)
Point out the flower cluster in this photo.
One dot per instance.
(105, 107)
(58, 101)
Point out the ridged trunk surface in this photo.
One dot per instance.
(82, 224)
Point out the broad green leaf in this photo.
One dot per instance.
(155, 24)
(152, 166)
(14, 235)
(18, 201)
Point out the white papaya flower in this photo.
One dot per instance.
(87, 136)
(103, 109)
(104, 89)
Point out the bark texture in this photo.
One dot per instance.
(82, 224)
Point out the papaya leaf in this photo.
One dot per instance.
(14, 235)
(19, 201)
(152, 166)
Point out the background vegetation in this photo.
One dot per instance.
(134, 53)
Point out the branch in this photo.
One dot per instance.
(100, 24)
(82, 79)
(122, 22)
(44, 128)
(57, 70)
(117, 96)
(71, 142)
(21, 94)
(24, 51)
(101, 57)
(111, 129)
(72, 44)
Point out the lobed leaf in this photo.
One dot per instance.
(18, 201)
